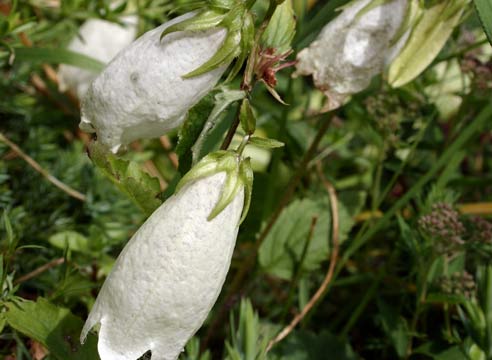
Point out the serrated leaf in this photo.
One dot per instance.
(429, 34)
(265, 143)
(139, 186)
(54, 327)
(484, 11)
(281, 28)
(281, 251)
(247, 118)
(191, 129)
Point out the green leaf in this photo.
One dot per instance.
(139, 186)
(484, 10)
(54, 327)
(57, 56)
(395, 327)
(305, 345)
(247, 118)
(222, 101)
(265, 143)
(281, 251)
(71, 239)
(247, 340)
(191, 129)
(11, 239)
(281, 28)
(429, 34)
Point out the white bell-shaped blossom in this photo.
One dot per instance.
(168, 276)
(100, 40)
(353, 48)
(142, 92)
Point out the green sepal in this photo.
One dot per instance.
(209, 165)
(265, 143)
(229, 191)
(224, 56)
(246, 176)
(247, 118)
(247, 40)
(203, 21)
(238, 174)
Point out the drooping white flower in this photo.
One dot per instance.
(169, 275)
(142, 92)
(353, 48)
(98, 39)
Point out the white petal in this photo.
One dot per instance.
(352, 48)
(141, 94)
(101, 40)
(168, 276)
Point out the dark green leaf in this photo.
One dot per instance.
(395, 327)
(304, 345)
(54, 327)
(191, 129)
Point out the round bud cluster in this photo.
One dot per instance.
(482, 230)
(458, 284)
(443, 225)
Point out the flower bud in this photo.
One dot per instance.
(98, 39)
(353, 48)
(142, 93)
(169, 275)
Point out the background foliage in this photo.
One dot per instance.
(412, 170)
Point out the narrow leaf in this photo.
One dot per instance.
(428, 37)
(484, 10)
(57, 56)
(247, 118)
(54, 327)
(265, 143)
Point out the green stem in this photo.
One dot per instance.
(362, 305)
(420, 302)
(298, 270)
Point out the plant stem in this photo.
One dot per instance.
(238, 281)
(60, 185)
